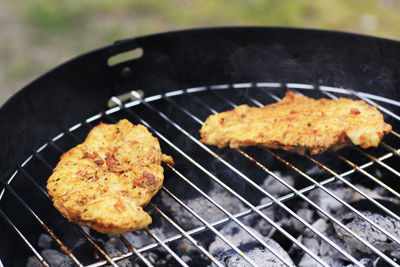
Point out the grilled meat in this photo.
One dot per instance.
(104, 182)
(297, 123)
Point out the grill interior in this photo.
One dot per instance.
(210, 189)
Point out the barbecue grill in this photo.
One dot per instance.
(217, 206)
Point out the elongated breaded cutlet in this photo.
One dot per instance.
(104, 182)
(297, 123)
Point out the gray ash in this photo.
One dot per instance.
(369, 233)
(259, 255)
(53, 257)
(203, 207)
(245, 242)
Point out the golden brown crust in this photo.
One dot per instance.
(297, 123)
(104, 182)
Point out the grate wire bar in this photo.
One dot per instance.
(251, 209)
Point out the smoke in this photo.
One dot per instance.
(359, 65)
(261, 63)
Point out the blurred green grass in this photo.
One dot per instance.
(40, 34)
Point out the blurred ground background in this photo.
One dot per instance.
(37, 35)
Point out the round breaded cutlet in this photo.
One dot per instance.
(104, 182)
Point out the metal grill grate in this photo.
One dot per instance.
(175, 118)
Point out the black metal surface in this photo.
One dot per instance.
(81, 87)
